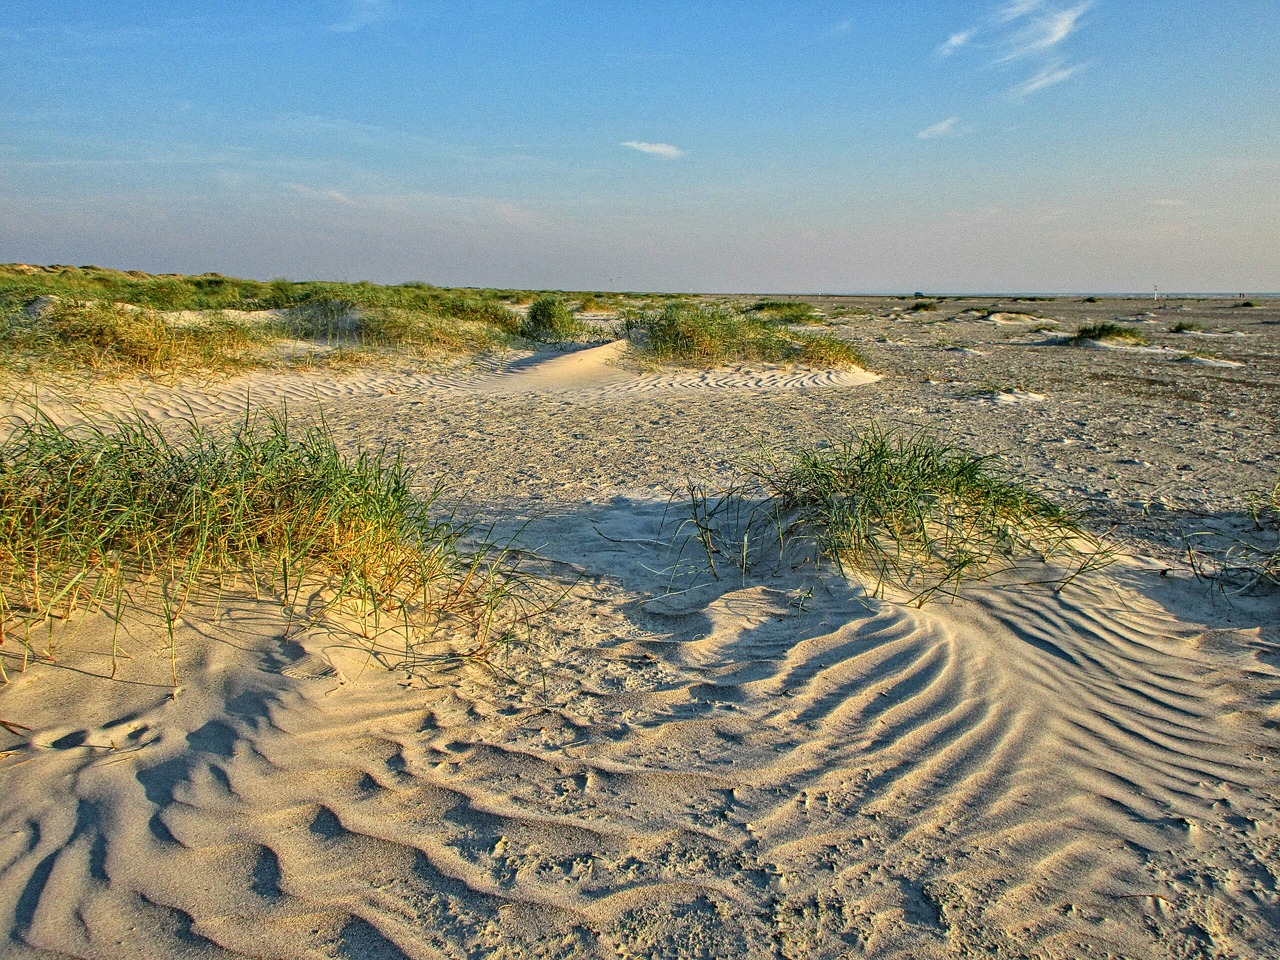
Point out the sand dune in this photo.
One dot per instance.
(713, 768)
(769, 764)
(601, 370)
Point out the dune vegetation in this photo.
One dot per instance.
(694, 334)
(118, 323)
(115, 322)
(904, 511)
(1106, 330)
(121, 516)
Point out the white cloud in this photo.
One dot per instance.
(1045, 32)
(312, 193)
(657, 149)
(1024, 32)
(1047, 77)
(1018, 9)
(956, 41)
(942, 129)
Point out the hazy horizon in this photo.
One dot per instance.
(1024, 146)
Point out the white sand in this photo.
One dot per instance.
(769, 765)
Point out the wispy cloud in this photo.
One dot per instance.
(1020, 32)
(358, 14)
(956, 41)
(311, 193)
(657, 149)
(942, 129)
(1047, 77)
(1018, 8)
(1043, 31)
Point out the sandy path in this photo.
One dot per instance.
(769, 765)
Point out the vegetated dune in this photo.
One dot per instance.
(678, 760)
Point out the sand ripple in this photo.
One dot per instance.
(766, 769)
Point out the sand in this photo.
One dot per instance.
(774, 764)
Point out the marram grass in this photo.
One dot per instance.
(90, 515)
(909, 512)
(708, 335)
(1106, 330)
(549, 318)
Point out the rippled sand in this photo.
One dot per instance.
(773, 764)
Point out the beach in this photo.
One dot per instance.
(684, 756)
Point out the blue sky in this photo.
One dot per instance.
(1014, 145)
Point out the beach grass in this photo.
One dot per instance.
(114, 338)
(91, 515)
(1106, 330)
(710, 335)
(118, 323)
(1265, 508)
(787, 311)
(213, 291)
(550, 319)
(909, 512)
(1246, 561)
(915, 511)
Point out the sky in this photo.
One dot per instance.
(856, 147)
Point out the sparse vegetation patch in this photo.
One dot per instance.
(703, 335)
(113, 322)
(907, 511)
(123, 515)
(550, 318)
(786, 311)
(1106, 330)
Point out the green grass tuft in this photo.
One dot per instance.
(786, 311)
(1107, 330)
(915, 512)
(121, 323)
(703, 335)
(90, 515)
(550, 318)
(118, 338)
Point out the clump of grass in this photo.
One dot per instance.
(111, 337)
(1106, 330)
(707, 335)
(786, 311)
(90, 516)
(824, 351)
(1246, 303)
(549, 318)
(916, 513)
(125, 323)
(1187, 326)
(1249, 561)
(596, 303)
(1264, 561)
(923, 306)
(401, 328)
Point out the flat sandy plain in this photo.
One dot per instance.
(764, 765)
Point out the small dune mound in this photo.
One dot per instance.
(1003, 318)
